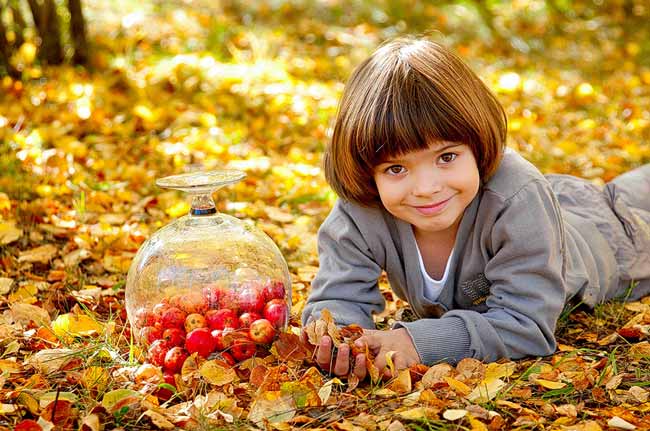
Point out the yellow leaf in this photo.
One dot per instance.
(216, 374)
(272, 406)
(457, 386)
(144, 112)
(401, 384)
(303, 394)
(48, 397)
(95, 378)
(115, 400)
(76, 325)
(5, 285)
(486, 390)
(417, 413)
(549, 384)
(477, 425)
(388, 356)
(10, 367)
(499, 371)
(9, 232)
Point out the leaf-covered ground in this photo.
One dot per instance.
(179, 86)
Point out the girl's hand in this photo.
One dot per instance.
(339, 365)
(382, 342)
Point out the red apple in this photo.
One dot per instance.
(222, 318)
(173, 318)
(149, 334)
(174, 359)
(157, 351)
(277, 312)
(193, 321)
(214, 292)
(274, 289)
(193, 302)
(222, 338)
(158, 311)
(200, 341)
(250, 298)
(242, 349)
(144, 317)
(245, 319)
(261, 331)
(174, 336)
(228, 358)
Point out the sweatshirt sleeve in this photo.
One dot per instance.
(346, 282)
(527, 292)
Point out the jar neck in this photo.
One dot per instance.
(202, 205)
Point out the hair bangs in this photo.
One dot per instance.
(411, 116)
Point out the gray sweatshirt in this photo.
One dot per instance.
(518, 257)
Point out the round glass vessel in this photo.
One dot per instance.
(207, 282)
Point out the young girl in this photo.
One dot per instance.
(485, 249)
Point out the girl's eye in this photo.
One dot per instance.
(448, 157)
(395, 169)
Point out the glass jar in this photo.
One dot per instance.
(207, 283)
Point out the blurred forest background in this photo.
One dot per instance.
(99, 98)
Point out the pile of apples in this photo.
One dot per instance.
(233, 319)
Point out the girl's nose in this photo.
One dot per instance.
(427, 183)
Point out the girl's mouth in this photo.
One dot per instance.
(433, 208)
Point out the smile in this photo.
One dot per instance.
(433, 208)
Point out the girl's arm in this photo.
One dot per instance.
(346, 282)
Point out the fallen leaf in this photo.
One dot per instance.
(486, 390)
(617, 422)
(42, 254)
(216, 374)
(26, 313)
(458, 386)
(548, 384)
(271, 406)
(76, 325)
(50, 360)
(159, 420)
(454, 414)
(115, 400)
(436, 375)
(9, 232)
(5, 285)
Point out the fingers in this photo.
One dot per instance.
(324, 353)
(360, 369)
(342, 365)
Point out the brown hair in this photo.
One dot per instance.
(406, 95)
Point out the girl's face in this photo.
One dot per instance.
(431, 188)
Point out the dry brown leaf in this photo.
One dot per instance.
(42, 254)
(436, 374)
(159, 420)
(26, 313)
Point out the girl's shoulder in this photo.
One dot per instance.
(513, 174)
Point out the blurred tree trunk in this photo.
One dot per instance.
(47, 24)
(19, 23)
(5, 51)
(78, 32)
